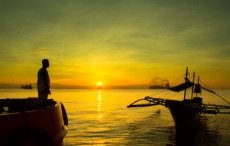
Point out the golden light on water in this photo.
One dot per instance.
(99, 105)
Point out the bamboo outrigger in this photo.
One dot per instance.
(206, 108)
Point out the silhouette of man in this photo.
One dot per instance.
(43, 82)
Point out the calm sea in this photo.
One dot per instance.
(100, 117)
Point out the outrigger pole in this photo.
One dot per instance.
(205, 108)
(151, 102)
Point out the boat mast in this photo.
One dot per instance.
(186, 79)
(193, 78)
(198, 82)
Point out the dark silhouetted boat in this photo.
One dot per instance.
(186, 113)
(30, 122)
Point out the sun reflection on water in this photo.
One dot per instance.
(99, 105)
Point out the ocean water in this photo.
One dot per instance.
(101, 118)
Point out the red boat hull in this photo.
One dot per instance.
(33, 121)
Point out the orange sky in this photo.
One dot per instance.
(120, 43)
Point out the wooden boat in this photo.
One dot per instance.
(186, 113)
(30, 122)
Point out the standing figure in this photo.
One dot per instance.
(43, 82)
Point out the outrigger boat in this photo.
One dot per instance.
(186, 113)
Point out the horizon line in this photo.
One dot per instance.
(64, 86)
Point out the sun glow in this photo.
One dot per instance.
(99, 85)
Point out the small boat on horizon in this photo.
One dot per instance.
(186, 113)
(27, 86)
(30, 122)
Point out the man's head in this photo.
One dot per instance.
(45, 63)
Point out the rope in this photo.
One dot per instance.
(211, 90)
(222, 98)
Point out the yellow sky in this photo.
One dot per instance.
(117, 42)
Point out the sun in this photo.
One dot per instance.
(99, 85)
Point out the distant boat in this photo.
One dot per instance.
(163, 85)
(186, 112)
(27, 86)
(32, 122)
